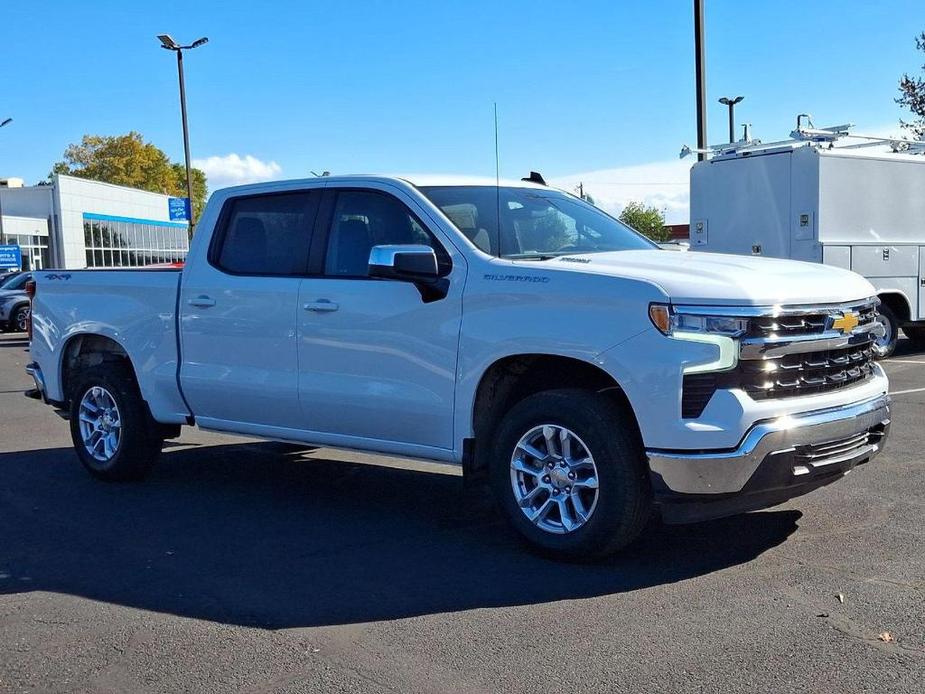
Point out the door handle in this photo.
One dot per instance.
(201, 301)
(321, 306)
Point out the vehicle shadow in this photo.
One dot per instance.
(907, 348)
(21, 342)
(250, 534)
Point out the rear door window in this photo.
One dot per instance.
(267, 234)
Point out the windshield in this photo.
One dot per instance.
(534, 223)
(17, 281)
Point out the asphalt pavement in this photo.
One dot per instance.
(251, 566)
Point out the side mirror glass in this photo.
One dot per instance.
(407, 263)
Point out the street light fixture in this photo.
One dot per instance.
(169, 44)
(731, 103)
(6, 122)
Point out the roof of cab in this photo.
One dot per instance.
(417, 180)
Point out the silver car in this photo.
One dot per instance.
(14, 303)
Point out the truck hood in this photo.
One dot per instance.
(714, 278)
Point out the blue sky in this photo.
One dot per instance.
(599, 89)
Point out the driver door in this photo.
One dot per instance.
(377, 361)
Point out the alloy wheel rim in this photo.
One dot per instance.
(22, 318)
(100, 424)
(882, 343)
(554, 479)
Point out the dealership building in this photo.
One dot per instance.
(75, 223)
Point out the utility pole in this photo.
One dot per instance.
(168, 43)
(701, 78)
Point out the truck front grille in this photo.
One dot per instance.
(807, 373)
(812, 322)
(794, 351)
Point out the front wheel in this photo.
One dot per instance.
(569, 472)
(885, 345)
(113, 433)
(19, 322)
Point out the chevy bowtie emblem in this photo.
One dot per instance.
(846, 322)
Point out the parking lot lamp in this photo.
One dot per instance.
(169, 44)
(731, 103)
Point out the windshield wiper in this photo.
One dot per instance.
(532, 256)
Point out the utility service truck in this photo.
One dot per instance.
(819, 198)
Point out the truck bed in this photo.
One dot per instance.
(135, 308)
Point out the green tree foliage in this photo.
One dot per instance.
(127, 160)
(649, 221)
(912, 91)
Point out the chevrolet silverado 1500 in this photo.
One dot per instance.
(589, 377)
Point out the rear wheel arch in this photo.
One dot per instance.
(87, 350)
(898, 303)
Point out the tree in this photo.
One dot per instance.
(127, 160)
(912, 90)
(200, 188)
(648, 221)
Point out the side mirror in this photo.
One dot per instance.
(407, 263)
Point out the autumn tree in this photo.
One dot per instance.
(648, 221)
(127, 160)
(912, 91)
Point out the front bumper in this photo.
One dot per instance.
(776, 460)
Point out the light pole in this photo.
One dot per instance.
(171, 45)
(700, 77)
(5, 121)
(731, 103)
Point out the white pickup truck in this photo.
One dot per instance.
(591, 378)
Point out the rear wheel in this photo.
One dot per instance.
(569, 472)
(113, 433)
(885, 345)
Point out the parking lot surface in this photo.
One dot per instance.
(253, 566)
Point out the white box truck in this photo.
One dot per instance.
(808, 199)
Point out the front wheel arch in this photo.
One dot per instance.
(511, 379)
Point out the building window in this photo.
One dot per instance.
(121, 242)
(34, 249)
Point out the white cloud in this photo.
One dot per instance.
(665, 185)
(234, 170)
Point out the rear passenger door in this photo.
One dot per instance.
(239, 312)
(377, 362)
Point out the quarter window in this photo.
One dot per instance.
(268, 234)
(363, 219)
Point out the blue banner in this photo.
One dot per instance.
(10, 258)
(179, 209)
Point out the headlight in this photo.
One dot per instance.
(670, 320)
(715, 329)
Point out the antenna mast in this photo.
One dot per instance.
(497, 180)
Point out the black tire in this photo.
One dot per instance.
(916, 333)
(140, 440)
(885, 348)
(18, 319)
(624, 500)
